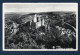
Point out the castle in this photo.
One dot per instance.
(31, 21)
(38, 20)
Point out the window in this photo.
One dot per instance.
(41, 19)
(37, 19)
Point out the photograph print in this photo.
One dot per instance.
(40, 27)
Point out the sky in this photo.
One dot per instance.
(39, 7)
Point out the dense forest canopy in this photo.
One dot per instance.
(27, 38)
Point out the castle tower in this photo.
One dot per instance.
(35, 18)
(38, 21)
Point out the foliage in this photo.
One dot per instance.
(27, 38)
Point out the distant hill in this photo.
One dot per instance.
(51, 15)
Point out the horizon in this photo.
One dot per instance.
(42, 12)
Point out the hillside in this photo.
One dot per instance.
(59, 35)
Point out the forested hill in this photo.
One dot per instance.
(69, 17)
